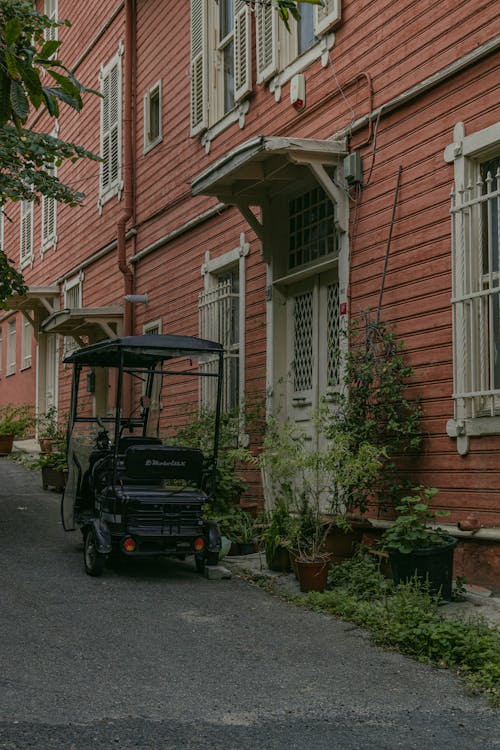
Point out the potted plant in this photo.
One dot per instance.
(417, 549)
(239, 527)
(54, 469)
(48, 429)
(15, 421)
(276, 536)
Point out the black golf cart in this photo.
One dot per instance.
(129, 491)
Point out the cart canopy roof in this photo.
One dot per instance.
(141, 351)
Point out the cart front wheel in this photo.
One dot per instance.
(94, 560)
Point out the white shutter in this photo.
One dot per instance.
(198, 66)
(266, 30)
(26, 231)
(51, 10)
(49, 209)
(242, 50)
(111, 128)
(326, 15)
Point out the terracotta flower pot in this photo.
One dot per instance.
(312, 574)
(279, 561)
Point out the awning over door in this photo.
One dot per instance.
(38, 303)
(259, 169)
(94, 323)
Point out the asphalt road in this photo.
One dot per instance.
(154, 656)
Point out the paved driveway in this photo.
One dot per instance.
(154, 656)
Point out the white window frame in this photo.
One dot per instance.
(207, 73)
(50, 9)
(11, 347)
(26, 232)
(149, 141)
(49, 217)
(475, 412)
(212, 270)
(153, 327)
(73, 288)
(278, 58)
(26, 343)
(111, 126)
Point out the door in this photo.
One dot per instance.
(313, 340)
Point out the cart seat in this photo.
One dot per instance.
(164, 462)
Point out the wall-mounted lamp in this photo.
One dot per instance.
(135, 299)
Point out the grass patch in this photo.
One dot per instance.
(409, 618)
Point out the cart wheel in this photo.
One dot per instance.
(94, 560)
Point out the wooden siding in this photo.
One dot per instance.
(394, 45)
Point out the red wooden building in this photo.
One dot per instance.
(261, 186)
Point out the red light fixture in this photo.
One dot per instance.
(129, 544)
(199, 544)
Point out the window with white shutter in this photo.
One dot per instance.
(26, 245)
(111, 130)
(281, 53)
(221, 61)
(11, 347)
(326, 15)
(152, 117)
(73, 300)
(49, 218)
(50, 9)
(153, 328)
(26, 341)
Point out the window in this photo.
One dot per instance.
(26, 340)
(277, 49)
(152, 329)
(73, 300)
(152, 117)
(111, 130)
(222, 318)
(220, 61)
(311, 224)
(26, 233)
(476, 277)
(50, 9)
(11, 347)
(49, 217)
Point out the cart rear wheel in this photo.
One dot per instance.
(94, 560)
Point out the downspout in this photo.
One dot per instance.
(128, 164)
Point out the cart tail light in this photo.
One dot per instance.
(199, 544)
(129, 544)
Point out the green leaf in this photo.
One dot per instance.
(48, 49)
(13, 31)
(19, 101)
(31, 80)
(63, 97)
(5, 107)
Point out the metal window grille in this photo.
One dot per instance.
(303, 342)
(333, 335)
(219, 321)
(312, 231)
(475, 211)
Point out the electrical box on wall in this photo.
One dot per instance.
(298, 92)
(353, 169)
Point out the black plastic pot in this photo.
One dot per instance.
(432, 565)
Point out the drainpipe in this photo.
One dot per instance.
(128, 164)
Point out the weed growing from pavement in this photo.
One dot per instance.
(409, 618)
